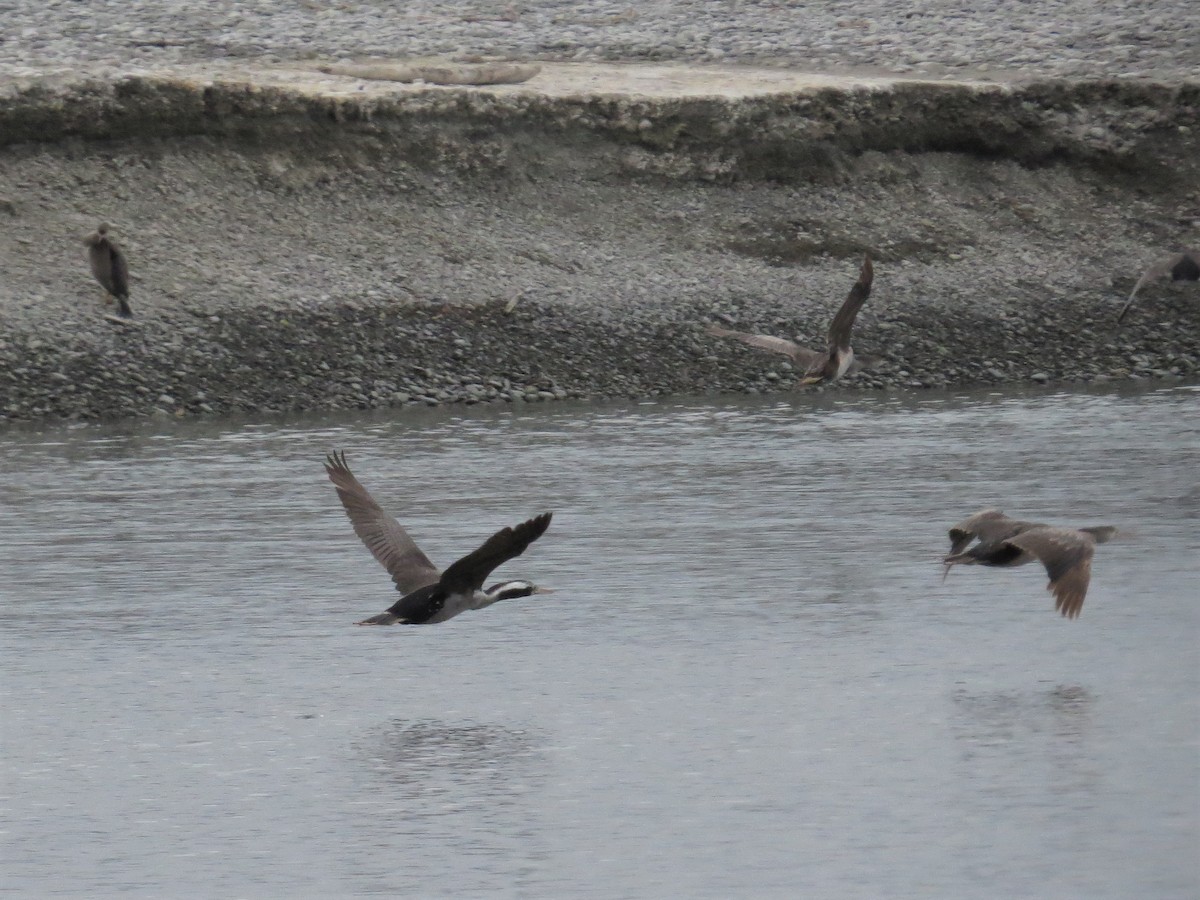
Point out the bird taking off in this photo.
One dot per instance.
(838, 357)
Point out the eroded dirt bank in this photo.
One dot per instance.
(315, 243)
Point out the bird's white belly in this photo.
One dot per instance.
(844, 361)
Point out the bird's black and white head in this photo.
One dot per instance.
(511, 590)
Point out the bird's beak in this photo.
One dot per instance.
(543, 590)
(949, 562)
(811, 379)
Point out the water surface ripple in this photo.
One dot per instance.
(751, 680)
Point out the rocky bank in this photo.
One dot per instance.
(303, 241)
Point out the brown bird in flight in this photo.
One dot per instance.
(818, 366)
(430, 596)
(1183, 266)
(110, 268)
(1065, 552)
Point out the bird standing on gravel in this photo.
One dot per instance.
(838, 357)
(1183, 266)
(429, 596)
(110, 268)
(1065, 552)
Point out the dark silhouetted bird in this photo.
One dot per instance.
(430, 596)
(990, 538)
(110, 268)
(838, 357)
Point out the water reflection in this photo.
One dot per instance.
(996, 717)
(1048, 730)
(483, 762)
(457, 803)
(1188, 502)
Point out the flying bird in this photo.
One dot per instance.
(1183, 266)
(819, 366)
(110, 268)
(430, 596)
(990, 538)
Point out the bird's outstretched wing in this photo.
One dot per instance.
(843, 322)
(468, 574)
(801, 356)
(1183, 266)
(385, 538)
(1067, 556)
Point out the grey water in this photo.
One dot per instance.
(750, 682)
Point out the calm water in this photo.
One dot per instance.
(751, 681)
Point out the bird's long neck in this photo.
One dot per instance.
(503, 590)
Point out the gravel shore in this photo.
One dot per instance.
(356, 245)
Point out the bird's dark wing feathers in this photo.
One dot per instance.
(1067, 556)
(101, 263)
(843, 322)
(385, 538)
(469, 573)
(419, 606)
(119, 270)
